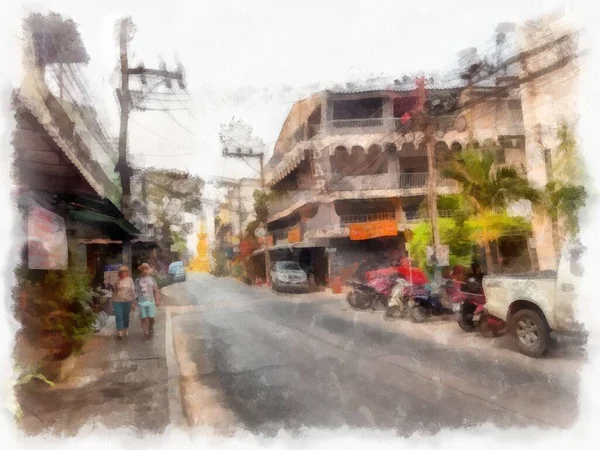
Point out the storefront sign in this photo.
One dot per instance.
(294, 235)
(370, 230)
(47, 239)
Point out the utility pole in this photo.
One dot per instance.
(428, 126)
(127, 105)
(238, 153)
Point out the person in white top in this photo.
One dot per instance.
(123, 296)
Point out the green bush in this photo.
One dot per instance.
(53, 307)
(452, 233)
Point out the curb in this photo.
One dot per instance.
(177, 413)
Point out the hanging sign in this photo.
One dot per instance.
(47, 239)
(294, 235)
(370, 230)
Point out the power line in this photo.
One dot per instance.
(178, 123)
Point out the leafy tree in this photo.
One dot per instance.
(486, 192)
(171, 199)
(238, 135)
(55, 40)
(563, 196)
(452, 233)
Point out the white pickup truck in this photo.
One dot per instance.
(535, 304)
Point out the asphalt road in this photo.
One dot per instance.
(263, 361)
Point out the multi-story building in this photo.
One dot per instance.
(64, 166)
(350, 168)
(549, 101)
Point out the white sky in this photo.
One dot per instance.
(253, 59)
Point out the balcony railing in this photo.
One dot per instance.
(420, 179)
(392, 123)
(371, 217)
(417, 216)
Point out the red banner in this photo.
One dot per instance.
(370, 230)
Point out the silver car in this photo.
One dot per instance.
(288, 275)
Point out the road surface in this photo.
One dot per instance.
(263, 361)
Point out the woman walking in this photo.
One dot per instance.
(148, 297)
(123, 296)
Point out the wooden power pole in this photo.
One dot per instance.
(127, 105)
(238, 153)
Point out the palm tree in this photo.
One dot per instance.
(486, 192)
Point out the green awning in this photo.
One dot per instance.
(84, 215)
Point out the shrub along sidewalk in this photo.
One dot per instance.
(114, 383)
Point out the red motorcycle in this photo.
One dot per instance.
(469, 302)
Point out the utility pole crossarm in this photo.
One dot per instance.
(156, 73)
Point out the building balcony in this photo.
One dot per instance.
(288, 203)
(359, 187)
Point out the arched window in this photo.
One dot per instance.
(356, 161)
(339, 160)
(377, 161)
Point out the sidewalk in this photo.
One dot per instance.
(114, 383)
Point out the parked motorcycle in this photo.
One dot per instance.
(426, 301)
(101, 304)
(367, 295)
(469, 302)
(398, 301)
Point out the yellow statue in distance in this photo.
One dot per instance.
(201, 263)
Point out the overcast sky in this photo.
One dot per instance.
(252, 59)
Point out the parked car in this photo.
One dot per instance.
(177, 271)
(288, 275)
(536, 304)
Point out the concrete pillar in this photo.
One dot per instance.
(127, 254)
(388, 114)
(326, 113)
(393, 161)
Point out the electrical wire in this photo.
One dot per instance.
(180, 125)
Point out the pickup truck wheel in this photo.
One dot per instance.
(531, 331)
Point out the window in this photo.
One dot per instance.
(289, 265)
(358, 109)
